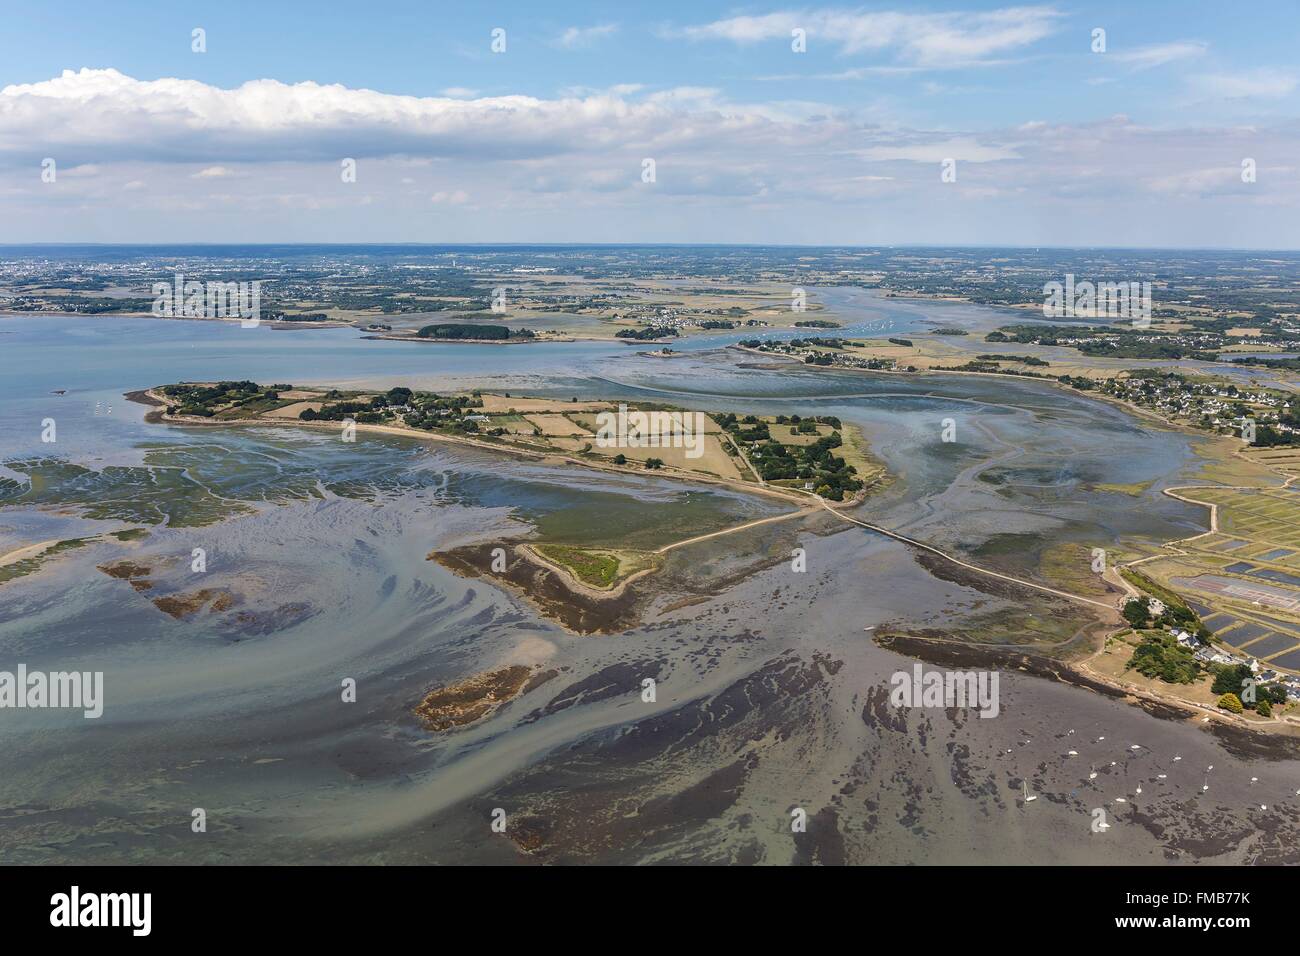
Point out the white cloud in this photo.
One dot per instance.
(213, 172)
(575, 37)
(568, 168)
(856, 73)
(964, 150)
(1158, 54)
(617, 90)
(1264, 83)
(685, 94)
(930, 40)
(104, 116)
(1195, 182)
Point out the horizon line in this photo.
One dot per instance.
(666, 245)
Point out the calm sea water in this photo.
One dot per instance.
(329, 560)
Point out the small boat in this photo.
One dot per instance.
(1176, 759)
(1072, 753)
(1120, 800)
(1161, 776)
(59, 391)
(1093, 775)
(1254, 779)
(1206, 786)
(1139, 789)
(1135, 747)
(1263, 806)
(1029, 797)
(1112, 763)
(1100, 739)
(1209, 768)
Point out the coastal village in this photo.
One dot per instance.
(800, 461)
(653, 302)
(1216, 659)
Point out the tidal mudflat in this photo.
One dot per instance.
(771, 693)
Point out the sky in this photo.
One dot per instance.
(948, 123)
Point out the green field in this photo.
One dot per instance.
(26, 566)
(1262, 515)
(597, 568)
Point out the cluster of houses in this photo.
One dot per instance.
(1210, 405)
(1208, 654)
(1187, 341)
(666, 316)
(804, 348)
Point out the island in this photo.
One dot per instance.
(804, 463)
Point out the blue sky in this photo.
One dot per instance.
(1052, 142)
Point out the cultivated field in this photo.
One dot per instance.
(1244, 579)
(1270, 516)
(557, 426)
(505, 403)
(292, 411)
